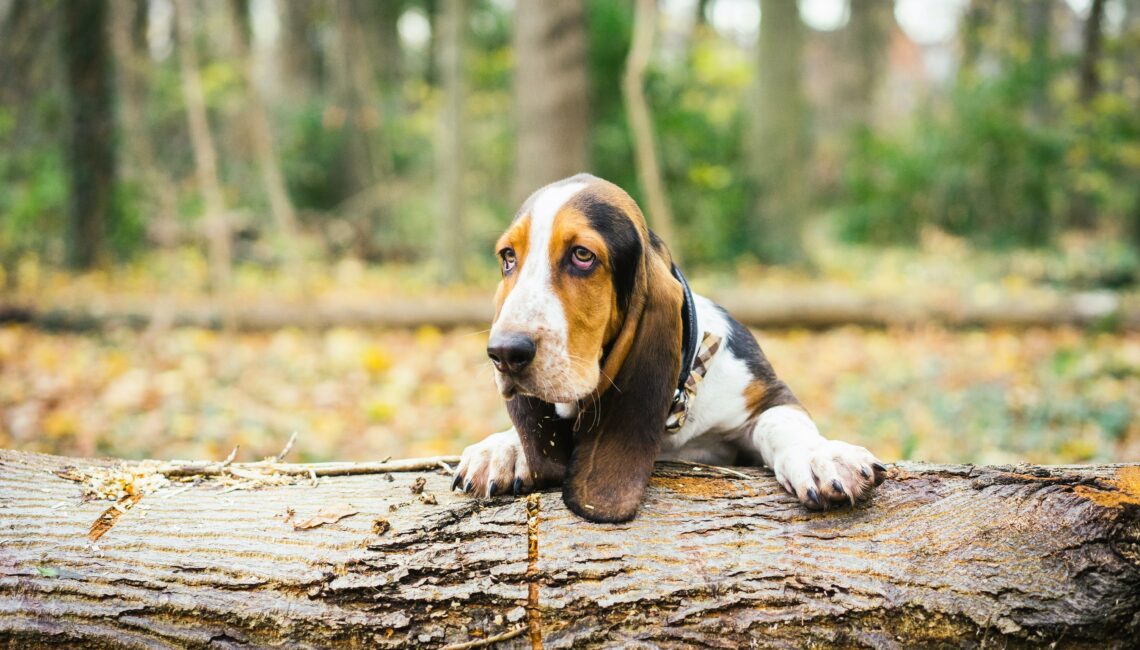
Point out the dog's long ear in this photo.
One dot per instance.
(612, 460)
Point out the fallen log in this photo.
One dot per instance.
(811, 308)
(941, 556)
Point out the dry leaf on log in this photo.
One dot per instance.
(329, 515)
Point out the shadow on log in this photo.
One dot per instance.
(953, 556)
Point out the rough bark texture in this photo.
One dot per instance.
(953, 556)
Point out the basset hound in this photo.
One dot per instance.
(608, 362)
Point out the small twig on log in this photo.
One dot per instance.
(181, 468)
(233, 454)
(479, 643)
(723, 470)
(288, 446)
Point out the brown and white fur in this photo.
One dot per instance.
(587, 345)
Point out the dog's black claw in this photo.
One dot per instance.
(837, 486)
(814, 496)
(455, 481)
(864, 473)
(467, 487)
(492, 489)
(880, 473)
(516, 487)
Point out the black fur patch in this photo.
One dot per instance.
(621, 239)
(743, 346)
(547, 440)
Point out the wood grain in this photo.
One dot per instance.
(942, 556)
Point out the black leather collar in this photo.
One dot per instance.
(689, 336)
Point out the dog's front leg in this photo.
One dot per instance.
(819, 472)
(498, 465)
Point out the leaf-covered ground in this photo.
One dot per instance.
(1044, 396)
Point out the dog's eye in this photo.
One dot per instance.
(507, 256)
(582, 258)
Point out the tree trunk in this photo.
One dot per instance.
(449, 141)
(942, 556)
(778, 150)
(1039, 33)
(87, 56)
(1090, 52)
(384, 19)
(550, 89)
(1082, 207)
(261, 131)
(300, 49)
(659, 214)
(205, 155)
(365, 163)
(21, 34)
(129, 18)
(868, 38)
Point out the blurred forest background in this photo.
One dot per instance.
(186, 188)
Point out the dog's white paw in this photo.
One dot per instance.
(826, 473)
(497, 465)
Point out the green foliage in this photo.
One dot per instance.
(700, 120)
(1015, 158)
(127, 227)
(981, 170)
(698, 111)
(309, 149)
(33, 197)
(1008, 155)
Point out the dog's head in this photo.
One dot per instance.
(588, 316)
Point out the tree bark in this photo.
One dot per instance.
(867, 38)
(778, 147)
(129, 24)
(941, 556)
(449, 154)
(365, 160)
(1082, 207)
(1090, 52)
(261, 131)
(299, 47)
(550, 88)
(660, 215)
(205, 154)
(87, 55)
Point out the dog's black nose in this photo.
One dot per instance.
(511, 352)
